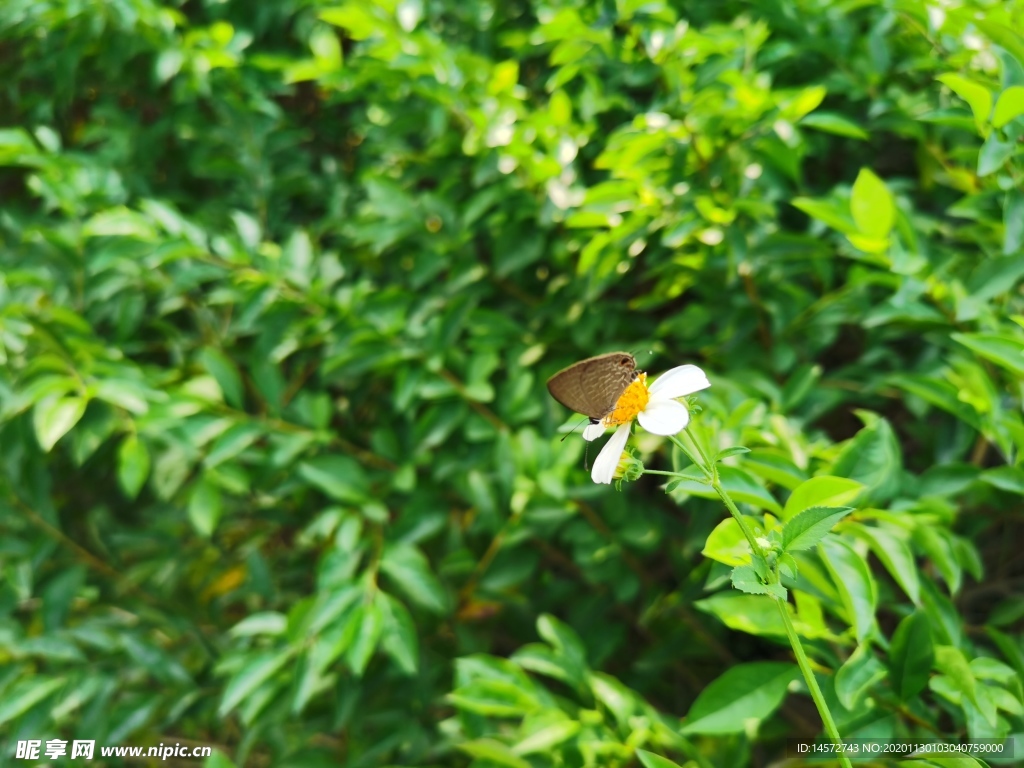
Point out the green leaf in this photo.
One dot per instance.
(1013, 221)
(745, 579)
(872, 206)
(561, 637)
(218, 760)
(831, 122)
(977, 96)
(25, 694)
(1009, 106)
(895, 555)
(827, 212)
(1002, 349)
(727, 544)
(123, 394)
(745, 613)
(132, 465)
(911, 656)
(936, 544)
(547, 738)
(399, 631)
(857, 676)
(410, 571)
(739, 484)
(53, 417)
(204, 507)
(494, 752)
(994, 154)
(745, 692)
(651, 760)
(264, 623)
(223, 369)
(854, 582)
(366, 624)
(821, 491)
(873, 458)
(953, 664)
(811, 526)
(735, 450)
(253, 673)
(493, 698)
(338, 476)
(1005, 478)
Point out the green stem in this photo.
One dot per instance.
(794, 639)
(812, 683)
(756, 548)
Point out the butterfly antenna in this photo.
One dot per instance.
(571, 431)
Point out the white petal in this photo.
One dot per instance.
(593, 431)
(677, 382)
(608, 459)
(666, 417)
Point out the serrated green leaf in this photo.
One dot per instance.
(811, 526)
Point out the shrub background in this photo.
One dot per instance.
(281, 285)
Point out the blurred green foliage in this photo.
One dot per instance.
(282, 282)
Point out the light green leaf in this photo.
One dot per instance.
(263, 623)
(493, 698)
(338, 476)
(1009, 106)
(806, 101)
(218, 760)
(132, 465)
(895, 555)
(410, 571)
(951, 662)
(745, 613)
(831, 122)
(493, 751)
(821, 491)
(53, 417)
(726, 544)
(855, 584)
(857, 675)
(977, 96)
(651, 760)
(744, 693)
(205, 506)
(1004, 350)
(25, 694)
(252, 674)
(811, 526)
(124, 394)
(365, 624)
(872, 206)
(547, 737)
(994, 153)
(745, 579)
(827, 212)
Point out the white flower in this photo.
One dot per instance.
(655, 407)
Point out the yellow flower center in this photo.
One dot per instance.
(631, 402)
